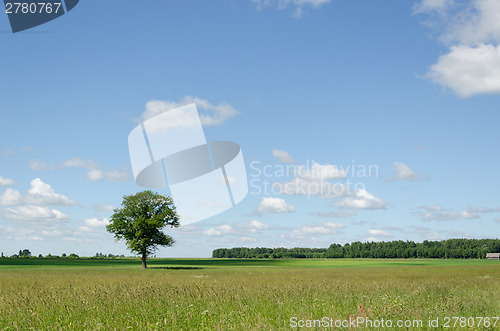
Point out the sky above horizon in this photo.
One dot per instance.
(357, 120)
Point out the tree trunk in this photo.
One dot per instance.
(144, 261)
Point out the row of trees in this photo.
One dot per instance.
(25, 253)
(264, 253)
(446, 249)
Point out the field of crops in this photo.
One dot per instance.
(213, 294)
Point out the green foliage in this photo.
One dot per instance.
(140, 221)
(451, 248)
(24, 253)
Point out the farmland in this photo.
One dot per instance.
(238, 294)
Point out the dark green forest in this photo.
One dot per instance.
(446, 249)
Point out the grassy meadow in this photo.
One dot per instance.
(231, 294)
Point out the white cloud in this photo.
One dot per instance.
(235, 230)
(43, 194)
(10, 197)
(117, 175)
(323, 228)
(378, 233)
(273, 205)
(296, 4)
(218, 230)
(403, 172)
(210, 114)
(282, 156)
(74, 162)
(361, 199)
(96, 175)
(6, 181)
(96, 222)
(39, 193)
(427, 6)
(34, 213)
(437, 213)
(315, 181)
(319, 188)
(38, 165)
(472, 65)
(469, 70)
(258, 225)
(79, 163)
(318, 172)
(476, 22)
(93, 224)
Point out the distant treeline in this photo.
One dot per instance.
(447, 249)
(25, 253)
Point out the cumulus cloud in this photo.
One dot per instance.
(476, 22)
(472, 64)
(44, 194)
(403, 172)
(6, 181)
(256, 225)
(314, 181)
(210, 114)
(39, 193)
(298, 5)
(218, 230)
(361, 199)
(318, 180)
(10, 197)
(469, 70)
(272, 205)
(238, 229)
(34, 213)
(93, 224)
(283, 156)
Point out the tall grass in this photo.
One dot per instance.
(220, 297)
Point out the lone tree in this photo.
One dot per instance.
(140, 221)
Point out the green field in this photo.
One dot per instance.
(232, 294)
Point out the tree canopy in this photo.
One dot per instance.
(140, 221)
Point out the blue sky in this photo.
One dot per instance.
(410, 88)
